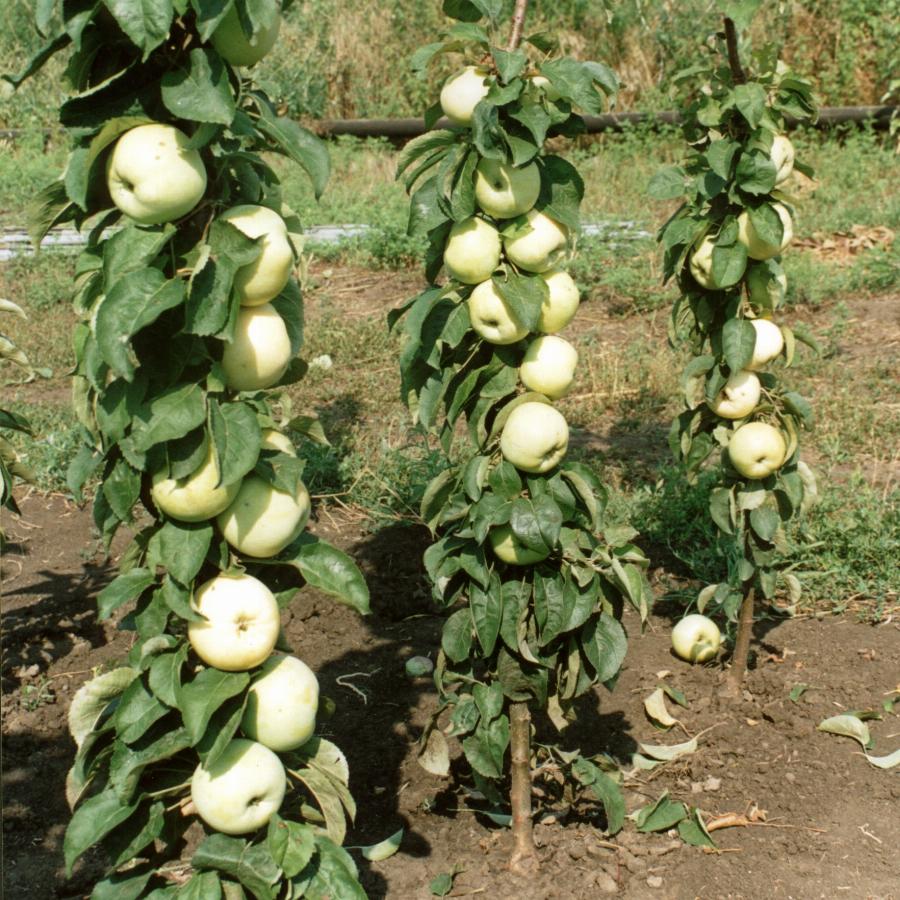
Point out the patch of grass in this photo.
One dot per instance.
(54, 443)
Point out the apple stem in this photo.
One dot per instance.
(518, 24)
(524, 855)
(741, 643)
(734, 61)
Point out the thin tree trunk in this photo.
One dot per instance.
(734, 61)
(741, 645)
(524, 857)
(518, 24)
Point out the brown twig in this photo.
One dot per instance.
(518, 25)
(734, 61)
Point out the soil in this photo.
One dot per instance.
(827, 823)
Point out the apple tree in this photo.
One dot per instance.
(528, 565)
(190, 324)
(723, 245)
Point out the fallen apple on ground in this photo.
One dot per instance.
(696, 638)
(757, 450)
(535, 437)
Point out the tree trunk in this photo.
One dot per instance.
(524, 857)
(738, 668)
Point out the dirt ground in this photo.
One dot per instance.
(832, 821)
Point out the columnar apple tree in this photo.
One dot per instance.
(724, 246)
(532, 573)
(190, 324)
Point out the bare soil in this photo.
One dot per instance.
(827, 822)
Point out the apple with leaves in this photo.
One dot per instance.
(769, 343)
(548, 366)
(782, 156)
(561, 303)
(757, 248)
(508, 548)
(739, 396)
(260, 351)
(538, 244)
(234, 45)
(472, 252)
(153, 175)
(535, 437)
(462, 92)
(757, 450)
(197, 496)
(491, 317)
(504, 191)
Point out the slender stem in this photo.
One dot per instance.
(524, 855)
(742, 642)
(518, 24)
(734, 61)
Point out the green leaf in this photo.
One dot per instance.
(298, 144)
(236, 434)
(767, 224)
(131, 249)
(201, 697)
(140, 830)
(171, 414)
(122, 488)
(510, 65)
(146, 22)
(251, 864)
(667, 183)
(93, 697)
(562, 190)
(333, 875)
(291, 844)
(692, 830)
(198, 89)
(524, 295)
(202, 886)
(738, 341)
(181, 547)
(604, 643)
(660, 816)
(328, 569)
(289, 305)
(750, 100)
(130, 305)
(124, 587)
(487, 610)
(574, 80)
(138, 709)
(209, 14)
(607, 791)
(165, 675)
(128, 885)
(728, 264)
(755, 173)
(765, 521)
(456, 637)
(92, 821)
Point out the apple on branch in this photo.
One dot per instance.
(548, 366)
(535, 437)
(769, 343)
(508, 548)
(757, 450)
(561, 303)
(472, 252)
(197, 497)
(696, 638)
(503, 191)
(263, 279)
(539, 245)
(240, 622)
(233, 44)
(739, 396)
(153, 176)
(241, 790)
(757, 248)
(491, 317)
(281, 704)
(766, 285)
(782, 156)
(260, 351)
(701, 264)
(462, 92)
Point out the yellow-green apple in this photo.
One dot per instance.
(769, 343)
(766, 284)
(543, 85)
(472, 251)
(696, 638)
(540, 246)
(282, 704)
(561, 303)
(758, 248)
(510, 549)
(701, 263)
(271, 439)
(535, 437)
(548, 366)
(462, 92)
(240, 624)
(153, 176)
(241, 790)
(738, 397)
(196, 497)
(491, 317)
(261, 520)
(263, 279)
(757, 449)
(235, 47)
(259, 354)
(782, 156)
(503, 191)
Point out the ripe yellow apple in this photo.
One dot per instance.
(508, 548)
(197, 497)
(260, 352)
(236, 48)
(535, 437)
(739, 397)
(242, 789)
(782, 155)
(282, 704)
(270, 439)
(696, 638)
(769, 343)
(152, 176)
(473, 251)
(561, 303)
(241, 622)
(757, 449)
(539, 248)
(503, 191)
(757, 248)
(701, 264)
(548, 366)
(261, 521)
(462, 92)
(263, 279)
(492, 318)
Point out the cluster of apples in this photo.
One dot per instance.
(154, 177)
(756, 449)
(510, 230)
